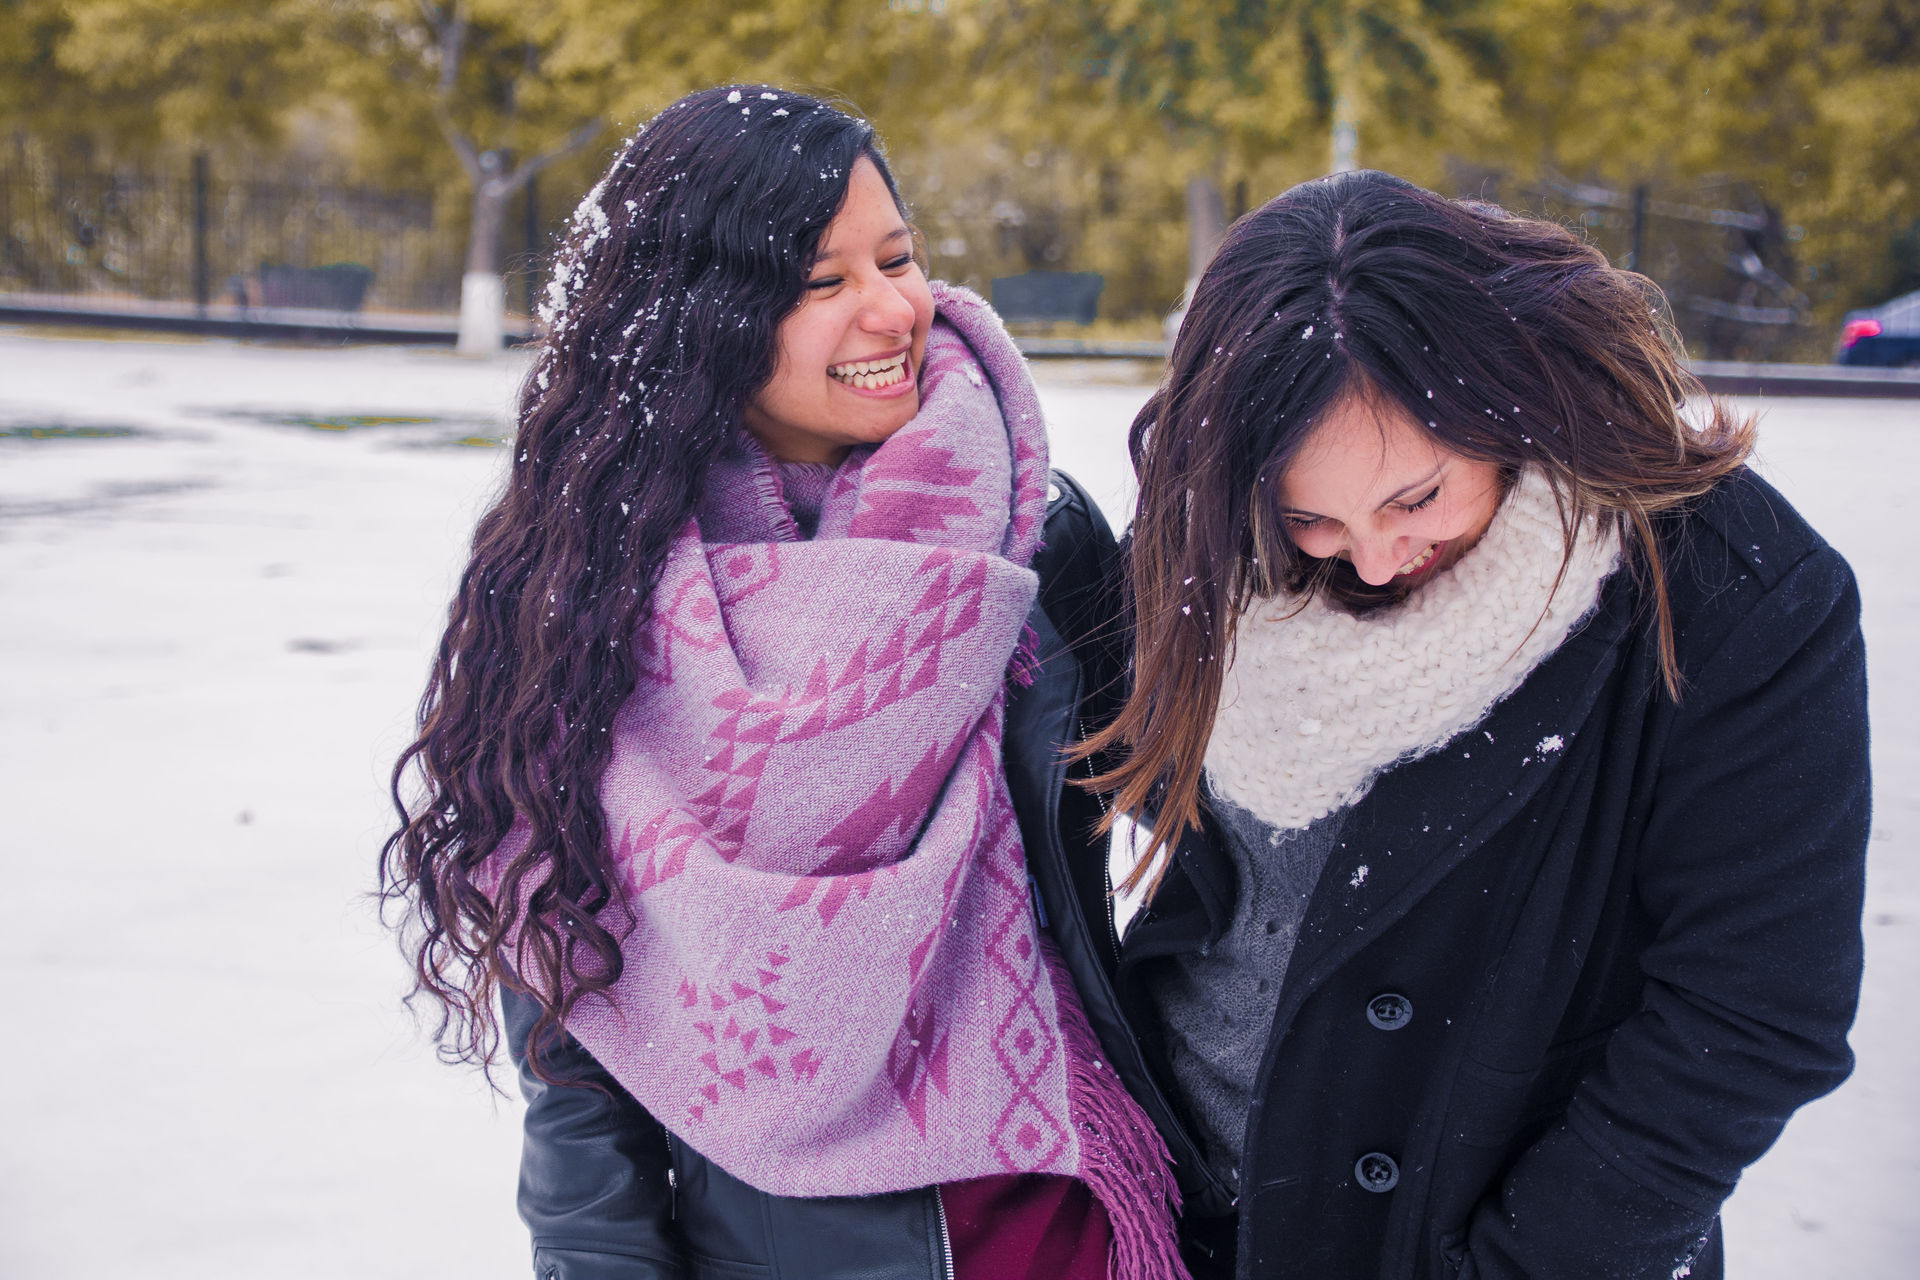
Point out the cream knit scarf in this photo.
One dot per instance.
(1319, 703)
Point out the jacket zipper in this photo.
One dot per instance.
(1112, 930)
(946, 1241)
(1058, 779)
(673, 1182)
(1106, 916)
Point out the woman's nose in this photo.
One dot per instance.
(886, 309)
(1377, 560)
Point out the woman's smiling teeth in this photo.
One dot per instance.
(1419, 562)
(871, 375)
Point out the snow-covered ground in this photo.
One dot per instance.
(220, 589)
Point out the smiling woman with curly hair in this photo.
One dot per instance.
(710, 786)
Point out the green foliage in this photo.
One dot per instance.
(1066, 133)
(1041, 133)
(1812, 105)
(129, 75)
(1260, 84)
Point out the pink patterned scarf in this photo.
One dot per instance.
(834, 984)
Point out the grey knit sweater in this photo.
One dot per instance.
(1217, 1006)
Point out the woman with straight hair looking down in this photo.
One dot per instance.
(1503, 741)
(710, 789)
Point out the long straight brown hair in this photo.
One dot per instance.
(1511, 338)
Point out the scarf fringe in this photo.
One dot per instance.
(1024, 667)
(1123, 1159)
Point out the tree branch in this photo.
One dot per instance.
(449, 28)
(524, 172)
(463, 146)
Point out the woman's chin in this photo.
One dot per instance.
(884, 429)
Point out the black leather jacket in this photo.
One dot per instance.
(609, 1194)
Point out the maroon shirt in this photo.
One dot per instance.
(1031, 1226)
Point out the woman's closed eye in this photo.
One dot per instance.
(1303, 521)
(892, 266)
(1427, 501)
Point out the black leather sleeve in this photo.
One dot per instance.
(1080, 590)
(594, 1184)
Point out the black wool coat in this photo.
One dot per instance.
(1562, 980)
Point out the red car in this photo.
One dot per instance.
(1887, 336)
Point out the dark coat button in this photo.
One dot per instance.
(1390, 1011)
(1376, 1171)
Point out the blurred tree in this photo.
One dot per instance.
(1249, 87)
(34, 88)
(507, 89)
(132, 74)
(513, 88)
(481, 94)
(1270, 74)
(1036, 133)
(1814, 105)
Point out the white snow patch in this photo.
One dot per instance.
(154, 585)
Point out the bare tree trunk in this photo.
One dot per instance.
(483, 291)
(1206, 224)
(1346, 125)
(1346, 135)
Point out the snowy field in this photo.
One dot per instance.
(222, 576)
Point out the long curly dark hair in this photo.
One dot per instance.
(1513, 339)
(662, 314)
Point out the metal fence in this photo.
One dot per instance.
(199, 235)
(1733, 269)
(264, 239)
(1726, 259)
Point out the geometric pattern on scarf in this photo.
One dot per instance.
(833, 982)
(832, 985)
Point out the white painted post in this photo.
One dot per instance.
(483, 306)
